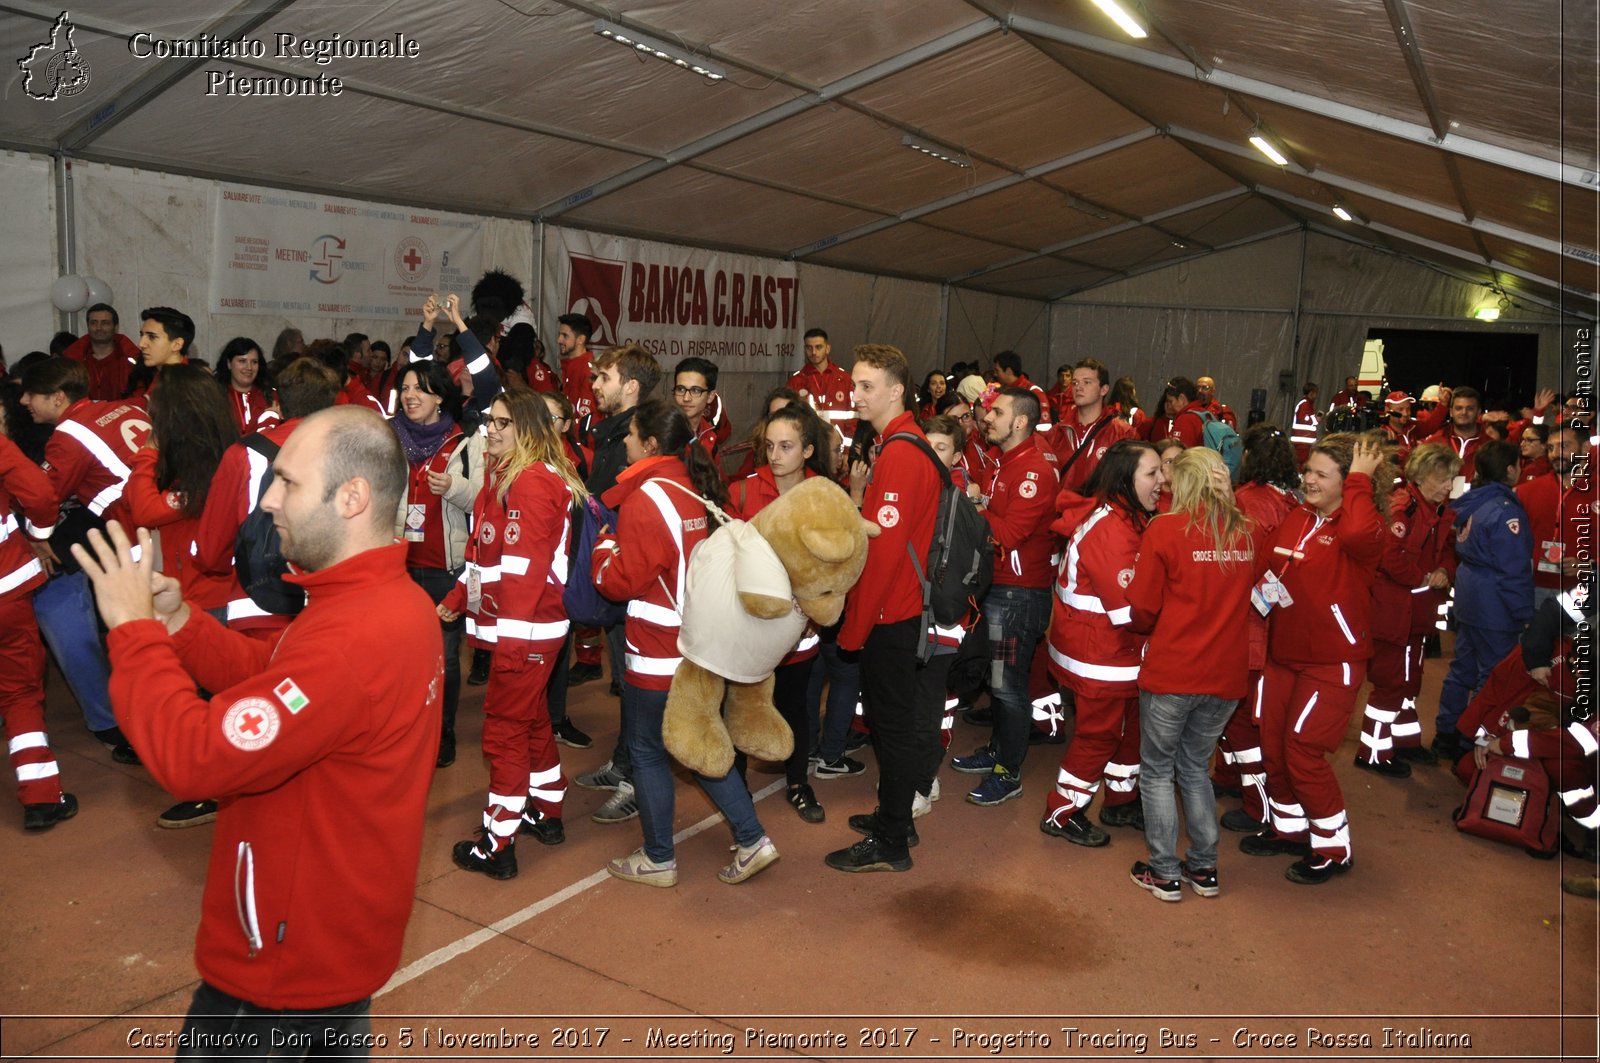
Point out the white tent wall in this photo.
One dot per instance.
(27, 254)
(1232, 315)
(149, 235)
(980, 324)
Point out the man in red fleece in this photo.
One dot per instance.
(321, 769)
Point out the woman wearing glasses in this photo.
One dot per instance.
(511, 588)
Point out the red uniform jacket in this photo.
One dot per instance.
(1419, 542)
(25, 484)
(1266, 505)
(1465, 449)
(90, 454)
(108, 376)
(162, 512)
(1220, 411)
(1046, 410)
(1094, 649)
(518, 558)
(1019, 505)
(251, 410)
(828, 392)
(1068, 435)
(1563, 525)
(1532, 470)
(902, 498)
(234, 490)
(1331, 584)
(1303, 431)
(1191, 595)
(577, 386)
(1187, 428)
(320, 769)
(355, 393)
(645, 561)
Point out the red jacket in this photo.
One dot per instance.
(320, 770)
(902, 498)
(162, 511)
(828, 392)
(355, 393)
(22, 482)
(645, 561)
(108, 376)
(251, 410)
(1218, 410)
(1532, 470)
(1466, 450)
(576, 385)
(1303, 431)
(234, 489)
(1019, 505)
(1187, 428)
(750, 496)
(1094, 649)
(1562, 522)
(1046, 410)
(1419, 542)
(518, 557)
(1328, 621)
(1190, 595)
(1068, 435)
(1266, 506)
(90, 455)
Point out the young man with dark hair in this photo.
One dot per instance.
(694, 389)
(825, 386)
(165, 336)
(903, 697)
(1008, 371)
(577, 365)
(108, 355)
(1081, 438)
(1462, 435)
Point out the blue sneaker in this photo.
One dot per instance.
(980, 762)
(999, 787)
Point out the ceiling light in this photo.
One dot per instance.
(670, 53)
(1116, 13)
(1266, 147)
(1343, 215)
(1488, 313)
(938, 151)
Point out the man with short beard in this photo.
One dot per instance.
(1560, 513)
(1461, 434)
(108, 355)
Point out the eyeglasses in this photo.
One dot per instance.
(694, 391)
(501, 423)
(965, 416)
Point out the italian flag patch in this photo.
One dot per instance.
(293, 698)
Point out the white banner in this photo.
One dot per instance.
(322, 257)
(740, 311)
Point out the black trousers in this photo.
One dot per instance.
(221, 1026)
(904, 704)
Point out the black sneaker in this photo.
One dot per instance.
(42, 817)
(838, 769)
(1269, 842)
(1126, 815)
(547, 830)
(479, 673)
(1314, 870)
(1036, 737)
(1219, 790)
(579, 674)
(1241, 822)
(188, 814)
(567, 734)
(110, 737)
(867, 823)
(1077, 829)
(1389, 769)
(502, 865)
(1203, 880)
(447, 751)
(1449, 747)
(1416, 754)
(804, 801)
(870, 854)
(856, 740)
(1164, 889)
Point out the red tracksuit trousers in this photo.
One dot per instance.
(1105, 745)
(22, 704)
(1305, 712)
(1390, 719)
(1240, 763)
(525, 777)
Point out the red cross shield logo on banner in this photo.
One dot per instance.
(594, 289)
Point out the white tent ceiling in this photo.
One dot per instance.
(1462, 133)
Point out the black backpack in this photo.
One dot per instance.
(960, 562)
(258, 558)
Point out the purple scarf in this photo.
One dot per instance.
(422, 441)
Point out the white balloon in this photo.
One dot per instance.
(99, 291)
(69, 294)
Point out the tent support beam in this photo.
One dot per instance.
(1521, 161)
(1270, 234)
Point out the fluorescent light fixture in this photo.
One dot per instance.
(1344, 215)
(1266, 147)
(1116, 13)
(670, 53)
(938, 151)
(1488, 313)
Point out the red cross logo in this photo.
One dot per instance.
(412, 259)
(250, 724)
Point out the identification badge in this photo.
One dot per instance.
(1550, 554)
(1268, 593)
(474, 590)
(416, 515)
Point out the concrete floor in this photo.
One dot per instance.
(998, 939)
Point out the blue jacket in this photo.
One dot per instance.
(1494, 580)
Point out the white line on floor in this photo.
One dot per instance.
(423, 964)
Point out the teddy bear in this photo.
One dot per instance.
(751, 589)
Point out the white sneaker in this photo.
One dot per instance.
(933, 791)
(920, 806)
(620, 807)
(748, 861)
(637, 867)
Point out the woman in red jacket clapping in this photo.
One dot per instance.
(1317, 588)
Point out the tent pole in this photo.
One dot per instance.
(66, 231)
(944, 324)
(538, 273)
(1299, 300)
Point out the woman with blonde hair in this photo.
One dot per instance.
(1190, 590)
(516, 570)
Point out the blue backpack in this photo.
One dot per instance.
(1221, 437)
(586, 606)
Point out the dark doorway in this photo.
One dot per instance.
(1503, 366)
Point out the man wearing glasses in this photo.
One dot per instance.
(694, 388)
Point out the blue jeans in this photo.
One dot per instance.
(652, 778)
(1017, 618)
(1478, 650)
(437, 582)
(1177, 735)
(65, 609)
(844, 690)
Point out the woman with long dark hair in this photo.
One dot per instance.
(1125, 398)
(660, 519)
(446, 475)
(239, 369)
(516, 570)
(1094, 651)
